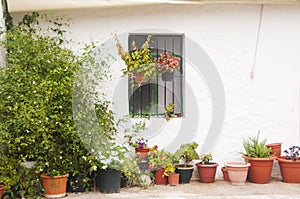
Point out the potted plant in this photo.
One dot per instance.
(206, 169)
(139, 62)
(237, 172)
(275, 148)
(109, 163)
(167, 64)
(290, 165)
(141, 147)
(169, 111)
(157, 161)
(225, 173)
(260, 158)
(184, 155)
(173, 178)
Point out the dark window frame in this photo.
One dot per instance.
(156, 85)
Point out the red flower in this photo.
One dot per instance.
(155, 147)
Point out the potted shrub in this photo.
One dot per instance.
(139, 62)
(167, 64)
(290, 165)
(237, 172)
(184, 155)
(206, 169)
(157, 161)
(260, 158)
(173, 178)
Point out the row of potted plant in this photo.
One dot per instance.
(258, 163)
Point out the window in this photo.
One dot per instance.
(151, 97)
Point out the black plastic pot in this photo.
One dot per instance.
(185, 174)
(81, 182)
(108, 181)
(167, 76)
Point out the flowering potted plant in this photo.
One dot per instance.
(290, 165)
(157, 161)
(173, 178)
(185, 154)
(140, 146)
(206, 169)
(167, 64)
(139, 62)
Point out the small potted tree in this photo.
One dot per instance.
(184, 155)
(260, 158)
(290, 165)
(206, 169)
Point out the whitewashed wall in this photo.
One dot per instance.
(227, 33)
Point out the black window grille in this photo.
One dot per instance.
(151, 97)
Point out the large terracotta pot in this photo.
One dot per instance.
(207, 172)
(173, 179)
(237, 172)
(260, 170)
(276, 148)
(159, 178)
(289, 169)
(56, 186)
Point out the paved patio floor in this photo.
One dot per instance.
(219, 189)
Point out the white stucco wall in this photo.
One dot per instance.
(227, 33)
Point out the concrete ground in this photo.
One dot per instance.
(219, 189)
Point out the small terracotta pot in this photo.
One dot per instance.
(1, 190)
(158, 177)
(56, 186)
(237, 172)
(225, 174)
(276, 148)
(173, 179)
(260, 170)
(289, 169)
(142, 152)
(207, 172)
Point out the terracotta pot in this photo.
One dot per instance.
(173, 179)
(158, 177)
(260, 170)
(207, 172)
(237, 172)
(225, 174)
(139, 78)
(56, 186)
(276, 148)
(289, 169)
(1, 190)
(142, 153)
